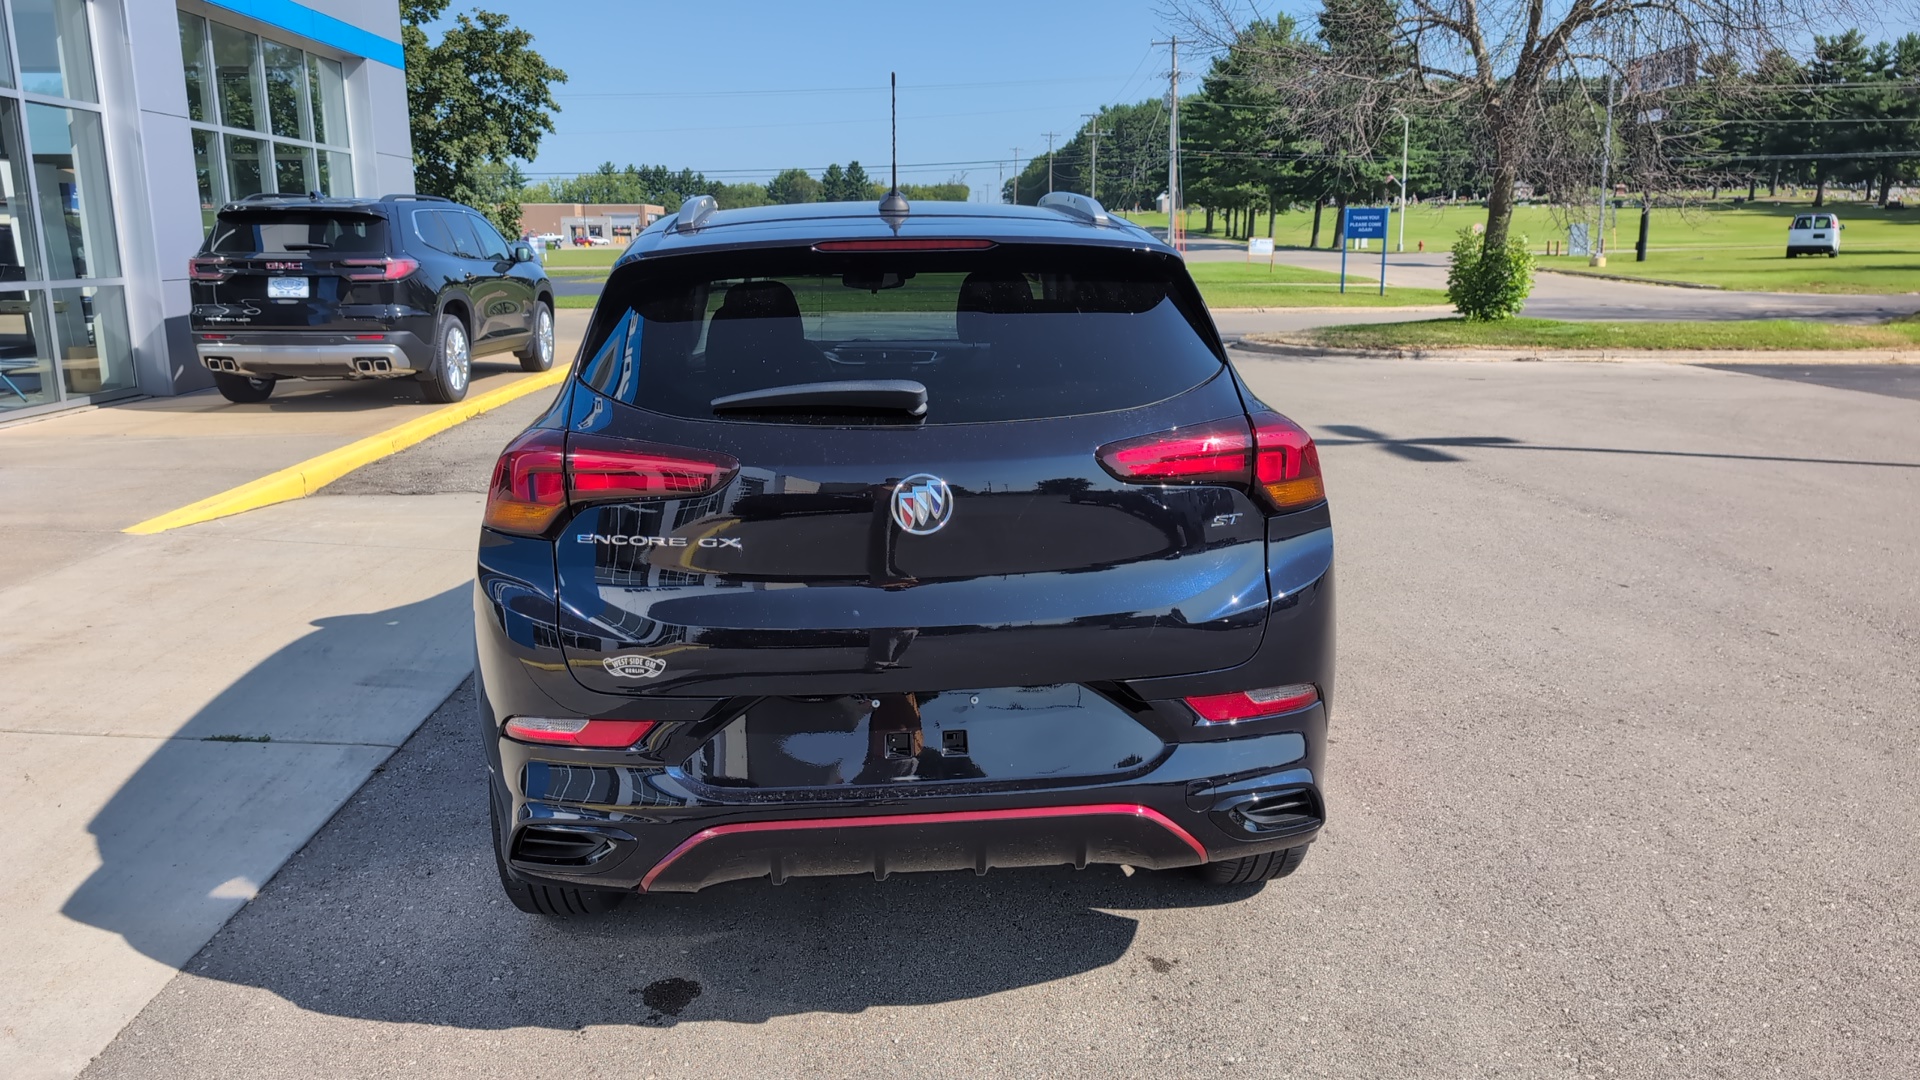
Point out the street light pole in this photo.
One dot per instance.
(1016, 176)
(1404, 128)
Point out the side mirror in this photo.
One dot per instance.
(522, 251)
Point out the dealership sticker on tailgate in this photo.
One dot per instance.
(634, 666)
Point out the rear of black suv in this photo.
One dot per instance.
(401, 287)
(865, 546)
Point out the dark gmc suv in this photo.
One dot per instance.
(866, 541)
(403, 286)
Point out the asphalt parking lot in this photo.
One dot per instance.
(1621, 785)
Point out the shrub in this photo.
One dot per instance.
(1489, 285)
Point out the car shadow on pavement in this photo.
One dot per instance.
(222, 802)
(394, 913)
(1435, 450)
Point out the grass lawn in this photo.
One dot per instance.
(1762, 335)
(575, 301)
(572, 257)
(1241, 285)
(1735, 247)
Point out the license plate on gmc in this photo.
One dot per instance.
(286, 288)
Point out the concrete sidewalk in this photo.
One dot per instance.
(182, 711)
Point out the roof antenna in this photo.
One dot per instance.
(895, 204)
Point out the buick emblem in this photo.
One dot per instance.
(922, 504)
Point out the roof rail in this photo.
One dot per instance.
(258, 195)
(1075, 205)
(412, 195)
(695, 212)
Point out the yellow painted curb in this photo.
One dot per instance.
(309, 476)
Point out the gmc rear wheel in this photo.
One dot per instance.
(243, 389)
(538, 355)
(446, 381)
(1266, 866)
(534, 898)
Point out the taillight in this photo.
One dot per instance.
(606, 470)
(529, 486)
(1274, 458)
(1218, 452)
(1253, 704)
(206, 269)
(539, 475)
(1287, 466)
(578, 731)
(387, 269)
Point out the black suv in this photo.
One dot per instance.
(864, 542)
(403, 286)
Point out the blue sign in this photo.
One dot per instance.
(1366, 223)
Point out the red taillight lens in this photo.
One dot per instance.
(539, 475)
(1276, 458)
(206, 269)
(603, 470)
(1287, 464)
(574, 731)
(1253, 704)
(1219, 452)
(529, 486)
(387, 269)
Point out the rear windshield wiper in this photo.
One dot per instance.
(903, 396)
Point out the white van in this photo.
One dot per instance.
(1814, 234)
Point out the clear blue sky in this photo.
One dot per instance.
(741, 90)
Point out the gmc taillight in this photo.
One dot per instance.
(387, 269)
(199, 269)
(542, 473)
(1267, 453)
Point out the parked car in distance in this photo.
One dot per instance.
(1814, 234)
(870, 541)
(551, 238)
(399, 287)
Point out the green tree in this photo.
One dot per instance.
(739, 196)
(833, 184)
(480, 95)
(951, 191)
(860, 187)
(793, 186)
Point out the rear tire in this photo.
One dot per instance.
(452, 369)
(1266, 866)
(554, 901)
(243, 389)
(538, 355)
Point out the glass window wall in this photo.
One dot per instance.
(264, 88)
(56, 52)
(63, 312)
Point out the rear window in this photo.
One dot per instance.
(300, 232)
(1016, 333)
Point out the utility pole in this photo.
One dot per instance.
(1093, 174)
(1174, 236)
(1051, 135)
(1016, 176)
(1599, 246)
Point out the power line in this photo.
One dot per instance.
(790, 91)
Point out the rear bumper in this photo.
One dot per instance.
(316, 356)
(649, 827)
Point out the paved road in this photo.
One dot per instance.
(1621, 787)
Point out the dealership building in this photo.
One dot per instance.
(125, 125)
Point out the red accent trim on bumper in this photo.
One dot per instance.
(958, 817)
